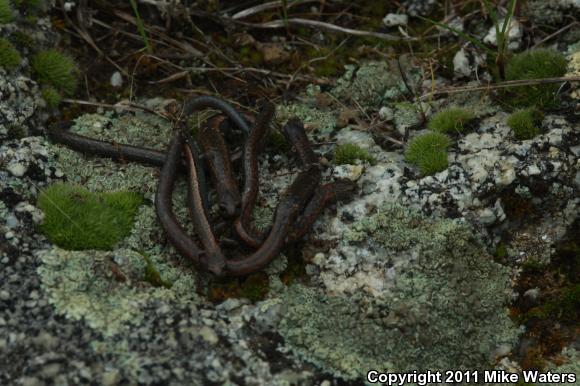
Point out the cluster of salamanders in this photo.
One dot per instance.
(299, 205)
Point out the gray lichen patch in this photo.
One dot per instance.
(139, 130)
(106, 288)
(443, 304)
(371, 84)
(322, 120)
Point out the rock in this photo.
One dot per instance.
(110, 377)
(4, 295)
(574, 70)
(466, 63)
(501, 351)
(395, 19)
(116, 79)
(17, 169)
(350, 172)
(31, 381)
(532, 294)
(516, 32)
(461, 66)
(230, 304)
(386, 113)
(273, 53)
(208, 335)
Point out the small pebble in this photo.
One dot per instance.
(395, 19)
(16, 169)
(208, 335)
(116, 79)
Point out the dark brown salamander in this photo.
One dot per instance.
(213, 258)
(115, 151)
(250, 166)
(220, 167)
(291, 204)
(204, 102)
(294, 132)
(163, 204)
(325, 195)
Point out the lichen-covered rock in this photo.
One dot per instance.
(401, 292)
(107, 289)
(553, 12)
(487, 168)
(322, 120)
(570, 366)
(19, 100)
(372, 84)
(514, 36)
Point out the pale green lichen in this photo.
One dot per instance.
(317, 119)
(371, 84)
(85, 285)
(407, 115)
(262, 218)
(446, 310)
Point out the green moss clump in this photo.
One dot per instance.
(565, 306)
(255, 287)
(250, 56)
(535, 64)
(152, 275)
(524, 123)
(428, 152)
(51, 97)
(22, 39)
(57, 70)
(33, 4)
(349, 153)
(453, 120)
(77, 219)
(9, 56)
(6, 12)
(501, 251)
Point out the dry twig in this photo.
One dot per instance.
(266, 6)
(495, 86)
(326, 26)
